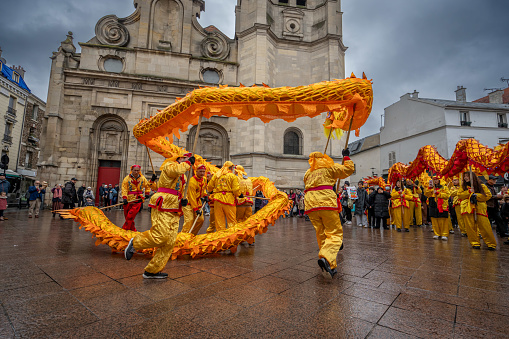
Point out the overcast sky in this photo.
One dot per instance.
(431, 46)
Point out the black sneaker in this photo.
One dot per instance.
(464, 235)
(407, 230)
(326, 270)
(159, 275)
(398, 229)
(492, 248)
(129, 250)
(476, 247)
(506, 242)
(341, 246)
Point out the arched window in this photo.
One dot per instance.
(292, 142)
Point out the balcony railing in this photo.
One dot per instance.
(466, 123)
(11, 110)
(502, 124)
(7, 138)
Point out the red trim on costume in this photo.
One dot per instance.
(318, 188)
(188, 162)
(169, 191)
(135, 192)
(478, 214)
(347, 158)
(158, 206)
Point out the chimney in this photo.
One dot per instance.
(496, 97)
(415, 95)
(20, 70)
(461, 94)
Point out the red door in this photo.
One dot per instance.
(107, 175)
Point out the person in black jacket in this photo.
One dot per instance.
(69, 197)
(81, 190)
(381, 200)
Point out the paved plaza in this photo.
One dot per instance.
(56, 283)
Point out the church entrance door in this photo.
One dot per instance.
(108, 173)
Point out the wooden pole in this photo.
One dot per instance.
(150, 158)
(346, 144)
(196, 137)
(196, 219)
(473, 189)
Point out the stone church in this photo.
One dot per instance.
(137, 65)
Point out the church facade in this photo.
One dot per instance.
(140, 64)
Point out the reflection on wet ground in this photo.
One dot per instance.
(54, 282)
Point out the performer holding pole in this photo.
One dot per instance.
(473, 195)
(193, 213)
(245, 204)
(322, 206)
(438, 201)
(400, 198)
(225, 187)
(165, 215)
(135, 187)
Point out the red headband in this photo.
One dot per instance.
(201, 166)
(135, 166)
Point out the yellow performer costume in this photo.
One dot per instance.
(165, 215)
(483, 224)
(196, 191)
(456, 202)
(322, 207)
(415, 204)
(438, 202)
(225, 187)
(244, 205)
(398, 199)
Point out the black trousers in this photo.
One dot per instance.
(378, 220)
(493, 214)
(371, 217)
(81, 202)
(68, 206)
(347, 213)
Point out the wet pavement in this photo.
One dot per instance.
(54, 282)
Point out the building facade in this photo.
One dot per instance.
(138, 65)
(414, 122)
(21, 126)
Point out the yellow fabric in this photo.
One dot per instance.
(416, 209)
(467, 152)
(94, 221)
(468, 208)
(454, 194)
(161, 235)
(483, 227)
(440, 226)
(172, 177)
(245, 185)
(397, 198)
(329, 234)
(461, 221)
(325, 199)
(319, 160)
(224, 214)
(243, 213)
(189, 218)
(225, 188)
(196, 191)
(265, 103)
(396, 215)
(130, 184)
(439, 193)
(212, 220)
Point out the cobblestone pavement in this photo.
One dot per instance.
(54, 282)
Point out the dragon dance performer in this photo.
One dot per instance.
(166, 210)
(456, 203)
(135, 187)
(415, 204)
(212, 214)
(401, 197)
(322, 207)
(224, 186)
(473, 198)
(244, 205)
(438, 202)
(196, 194)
